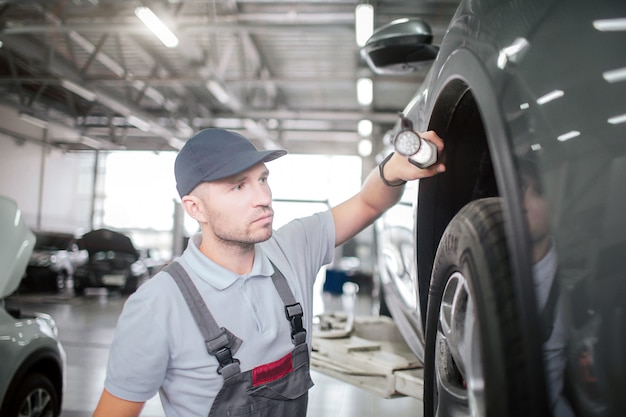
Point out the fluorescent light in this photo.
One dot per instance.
(512, 53)
(610, 25)
(365, 128)
(614, 76)
(218, 91)
(363, 23)
(365, 91)
(139, 123)
(157, 27)
(78, 90)
(553, 95)
(365, 147)
(615, 120)
(35, 121)
(568, 135)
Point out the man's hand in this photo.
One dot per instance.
(399, 168)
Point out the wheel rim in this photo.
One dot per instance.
(458, 362)
(37, 404)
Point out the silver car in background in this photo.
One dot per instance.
(32, 364)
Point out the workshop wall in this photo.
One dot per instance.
(52, 188)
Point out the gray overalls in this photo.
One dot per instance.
(275, 389)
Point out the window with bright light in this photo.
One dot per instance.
(140, 189)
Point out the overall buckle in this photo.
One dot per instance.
(226, 361)
(294, 314)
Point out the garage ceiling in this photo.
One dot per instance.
(281, 72)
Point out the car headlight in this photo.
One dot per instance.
(138, 268)
(43, 259)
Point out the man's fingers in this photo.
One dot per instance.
(433, 137)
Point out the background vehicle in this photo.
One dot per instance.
(33, 360)
(53, 262)
(520, 90)
(114, 263)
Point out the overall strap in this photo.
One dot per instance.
(293, 309)
(218, 340)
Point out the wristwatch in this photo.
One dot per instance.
(421, 152)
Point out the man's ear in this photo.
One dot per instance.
(193, 207)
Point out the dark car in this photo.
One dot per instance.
(517, 248)
(114, 263)
(51, 266)
(32, 359)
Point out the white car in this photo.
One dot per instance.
(32, 369)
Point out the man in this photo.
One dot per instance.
(546, 283)
(223, 329)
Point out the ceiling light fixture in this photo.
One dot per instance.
(35, 121)
(614, 76)
(218, 91)
(365, 128)
(363, 23)
(365, 148)
(615, 120)
(78, 90)
(138, 123)
(569, 135)
(610, 25)
(157, 26)
(552, 95)
(364, 91)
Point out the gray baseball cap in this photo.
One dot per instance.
(213, 154)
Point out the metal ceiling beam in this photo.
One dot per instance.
(189, 26)
(59, 68)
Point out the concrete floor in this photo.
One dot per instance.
(86, 326)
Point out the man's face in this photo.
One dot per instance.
(238, 209)
(536, 209)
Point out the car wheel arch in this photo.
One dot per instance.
(438, 198)
(44, 361)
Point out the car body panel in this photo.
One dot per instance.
(547, 79)
(16, 246)
(28, 342)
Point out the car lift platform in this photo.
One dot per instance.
(367, 352)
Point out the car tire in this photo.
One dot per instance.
(79, 286)
(35, 396)
(61, 281)
(473, 359)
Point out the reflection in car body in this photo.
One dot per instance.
(538, 81)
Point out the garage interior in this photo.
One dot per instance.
(86, 88)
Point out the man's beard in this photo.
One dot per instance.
(238, 238)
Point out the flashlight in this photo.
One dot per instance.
(421, 152)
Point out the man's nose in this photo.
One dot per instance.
(263, 195)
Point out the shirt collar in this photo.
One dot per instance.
(218, 276)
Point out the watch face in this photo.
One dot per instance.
(407, 142)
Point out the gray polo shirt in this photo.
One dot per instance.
(158, 348)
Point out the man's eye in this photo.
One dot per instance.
(238, 187)
(263, 180)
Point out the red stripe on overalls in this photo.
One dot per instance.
(272, 371)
